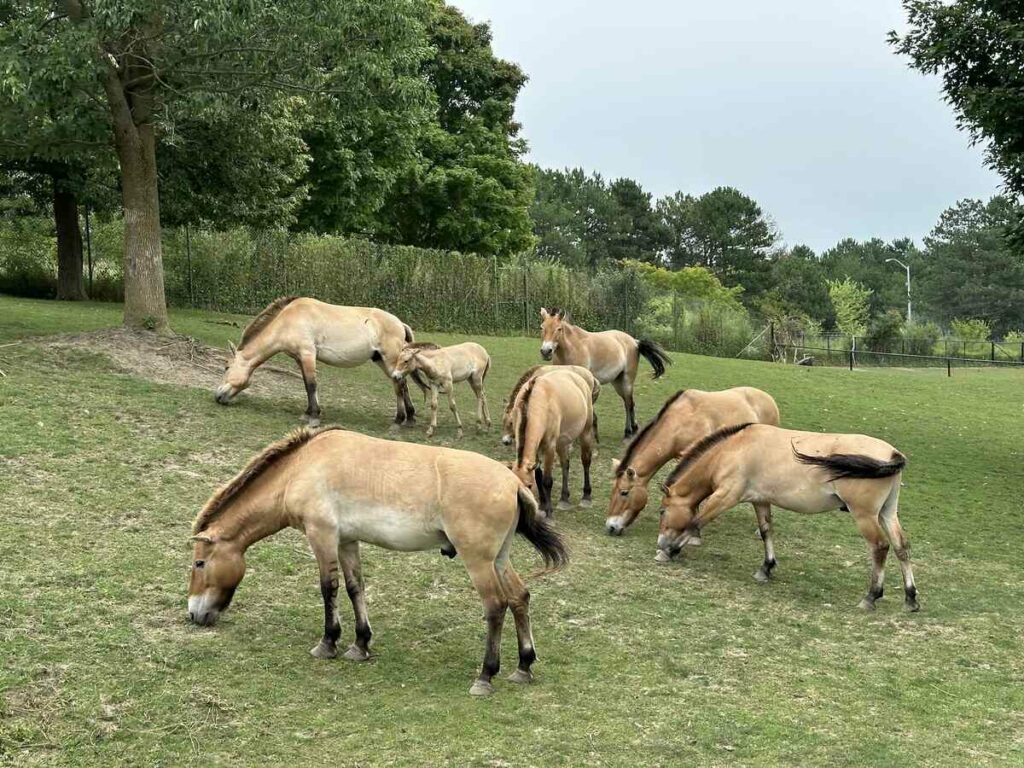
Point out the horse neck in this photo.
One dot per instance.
(656, 448)
(255, 513)
(573, 339)
(262, 346)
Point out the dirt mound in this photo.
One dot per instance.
(179, 360)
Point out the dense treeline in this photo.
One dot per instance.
(393, 121)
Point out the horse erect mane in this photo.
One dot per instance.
(262, 320)
(527, 375)
(259, 464)
(634, 444)
(523, 410)
(701, 447)
(422, 345)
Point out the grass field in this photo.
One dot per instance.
(101, 474)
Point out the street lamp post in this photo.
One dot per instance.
(906, 267)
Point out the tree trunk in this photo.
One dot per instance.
(70, 286)
(144, 303)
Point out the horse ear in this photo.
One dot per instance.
(233, 348)
(615, 464)
(631, 473)
(543, 313)
(561, 314)
(666, 489)
(202, 537)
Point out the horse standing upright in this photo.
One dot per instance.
(685, 418)
(508, 428)
(803, 471)
(341, 488)
(550, 413)
(612, 356)
(308, 330)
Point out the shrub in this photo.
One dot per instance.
(921, 338)
(885, 332)
(973, 329)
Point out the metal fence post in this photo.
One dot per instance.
(949, 368)
(88, 249)
(993, 351)
(851, 358)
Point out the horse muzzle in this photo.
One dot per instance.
(615, 527)
(506, 439)
(669, 545)
(546, 352)
(224, 394)
(201, 612)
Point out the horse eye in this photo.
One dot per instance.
(623, 493)
(200, 563)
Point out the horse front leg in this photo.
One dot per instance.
(764, 527)
(433, 411)
(410, 409)
(455, 411)
(563, 460)
(324, 546)
(586, 457)
(351, 566)
(549, 481)
(307, 364)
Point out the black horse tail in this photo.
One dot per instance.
(855, 466)
(656, 356)
(538, 531)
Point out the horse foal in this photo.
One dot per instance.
(802, 471)
(439, 369)
(342, 488)
(551, 413)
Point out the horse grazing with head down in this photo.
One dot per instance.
(801, 471)
(612, 356)
(308, 330)
(342, 488)
(550, 414)
(686, 417)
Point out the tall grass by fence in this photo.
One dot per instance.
(242, 270)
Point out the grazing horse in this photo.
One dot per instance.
(508, 436)
(438, 369)
(551, 413)
(341, 488)
(802, 471)
(308, 330)
(686, 417)
(612, 356)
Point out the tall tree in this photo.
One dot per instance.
(970, 270)
(640, 234)
(122, 69)
(723, 230)
(470, 189)
(799, 284)
(865, 263)
(977, 47)
(575, 217)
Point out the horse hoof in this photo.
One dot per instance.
(459, 435)
(564, 505)
(323, 650)
(521, 676)
(760, 576)
(586, 503)
(313, 423)
(661, 556)
(408, 424)
(866, 605)
(695, 541)
(912, 605)
(481, 688)
(430, 433)
(395, 426)
(355, 653)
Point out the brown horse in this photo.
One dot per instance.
(437, 369)
(801, 471)
(508, 436)
(308, 330)
(341, 488)
(550, 414)
(612, 356)
(686, 417)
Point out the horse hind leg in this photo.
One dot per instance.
(519, 602)
(890, 521)
(488, 586)
(351, 566)
(563, 460)
(624, 387)
(878, 546)
(586, 458)
(764, 527)
(483, 416)
(455, 411)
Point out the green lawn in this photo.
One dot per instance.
(101, 474)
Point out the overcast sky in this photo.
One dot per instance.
(800, 104)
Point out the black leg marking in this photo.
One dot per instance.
(332, 626)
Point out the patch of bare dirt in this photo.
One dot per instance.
(179, 360)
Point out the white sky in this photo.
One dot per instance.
(800, 104)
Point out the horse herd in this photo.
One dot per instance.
(341, 488)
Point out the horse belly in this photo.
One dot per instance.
(345, 351)
(387, 527)
(805, 499)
